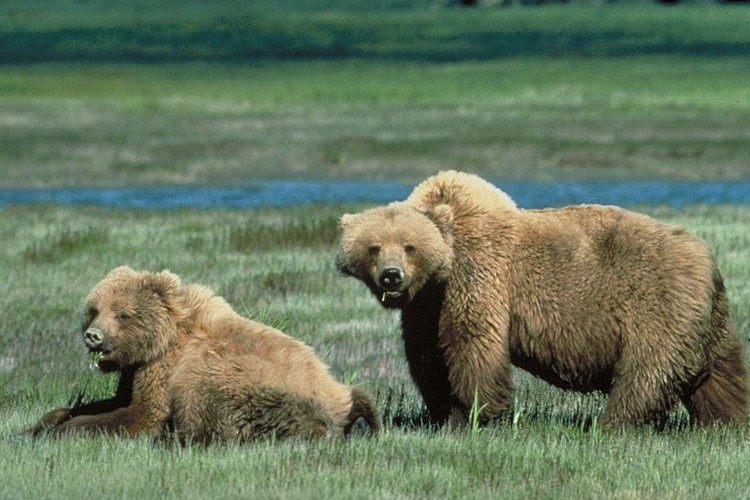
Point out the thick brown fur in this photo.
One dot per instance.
(586, 297)
(190, 365)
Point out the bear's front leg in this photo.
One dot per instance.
(427, 366)
(127, 421)
(479, 398)
(430, 374)
(49, 420)
(479, 371)
(59, 416)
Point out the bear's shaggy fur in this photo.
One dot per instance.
(585, 297)
(191, 365)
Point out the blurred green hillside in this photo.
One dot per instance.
(171, 30)
(121, 92)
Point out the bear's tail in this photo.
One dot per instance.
(722, 398)
(363, 407)
(723, 395)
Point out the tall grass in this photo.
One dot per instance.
(550, 444)
(60, 244)
(510, 463)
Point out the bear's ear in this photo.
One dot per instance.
(442, 216)
(121, 271)
(346, 221)
(164, 283)
(343, 259)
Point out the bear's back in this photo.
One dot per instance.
(610, 231)
(230, 351)
(593, 259)
(461, 191)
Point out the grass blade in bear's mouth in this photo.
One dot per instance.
(390, 295)
(94, 357)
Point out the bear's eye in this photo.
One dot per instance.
(373, 249)
(88, 317)
(122, 316)
(409, 249)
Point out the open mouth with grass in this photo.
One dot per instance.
(391, 284)
(94, 358)
(390, 294)
(392, 297)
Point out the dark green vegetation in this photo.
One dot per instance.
(120, 30)
(289, 278)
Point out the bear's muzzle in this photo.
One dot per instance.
(93, 337)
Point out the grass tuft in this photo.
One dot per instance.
(262, 237)
(60, 244)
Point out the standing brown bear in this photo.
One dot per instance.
(190, 363)
(585, 297)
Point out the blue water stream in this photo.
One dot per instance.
(285, 193)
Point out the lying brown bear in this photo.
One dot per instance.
(190, 363)
(585, 297)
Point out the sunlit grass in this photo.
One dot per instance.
(549, 445)
(537, 460)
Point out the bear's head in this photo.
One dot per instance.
(130, 318)
(396, 249)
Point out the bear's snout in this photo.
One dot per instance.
(391, 277)
(93, 338)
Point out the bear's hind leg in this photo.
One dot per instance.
(638, 396)
(247, 414)
(267, 412)
(722, 397)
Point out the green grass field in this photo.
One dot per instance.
(278, 265)
(115, 92)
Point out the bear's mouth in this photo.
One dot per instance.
(393, 298)
(95, 357)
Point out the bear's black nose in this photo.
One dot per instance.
(93, 338)
(391, 276)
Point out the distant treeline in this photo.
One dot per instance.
(403, 33)
(506, 3)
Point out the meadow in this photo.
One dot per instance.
(117, 93)
(277, 265)
(667, 97)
